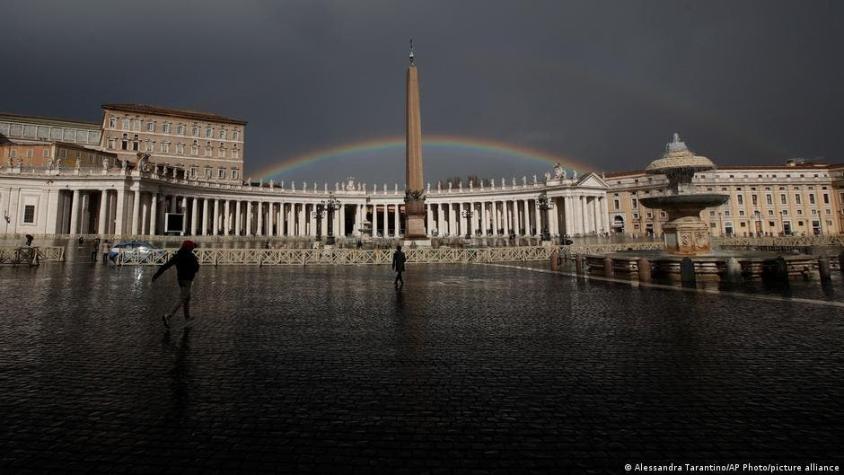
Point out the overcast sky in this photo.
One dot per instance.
(605, 83)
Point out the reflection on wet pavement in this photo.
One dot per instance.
(468, 368)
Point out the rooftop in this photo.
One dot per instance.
(147, 109)
(34, 119)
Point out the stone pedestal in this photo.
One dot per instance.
(686, 236)
(414, 227)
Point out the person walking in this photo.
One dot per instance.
(398, 266)
(105, 248)
(187, 265)
(95, 248)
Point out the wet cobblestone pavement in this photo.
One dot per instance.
(468, 369)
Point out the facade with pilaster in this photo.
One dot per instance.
(793, 199)
(194, 145)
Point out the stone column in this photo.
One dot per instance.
(101, 219)
(259, 210)
(606, 214)
(291, 222)
(136, 211)
(193, 212)
(226, 220)
(429, 219)
(342, 228)
(461, 220)
(301, 215)
(280, 218)
(374, 221)
(387, 221)
(538, 217)
(357, 222)
(324, 227)
(215, 217)
(505, 209)
(203, 226)
(312, 220)
(237, 218)
(398, 221)
(248, 223)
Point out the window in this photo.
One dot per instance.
(180, 149)
(166, 128)
(125, 123)
(194, 149)
(754, 200)
(235, 154)
(29, 154)
(769, 199)
(635, 203)
(221, 173)
(45, 153)
(196, 131)
(150, 126)
(209, 132)
(112, 122)
(112, 143)
(221, 153)
(234, 174)
(236, 135)
(125, 143)
(783, 199)
(13, 153)
(135, 144)
(826, 198)
(797, 198)
(615, 204)
(180, 129)
(193, 172)
(222, 134)
(207, 150)
(811, 198)
(207, 173)
(740, 199)
(29, 214)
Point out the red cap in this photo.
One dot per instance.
(189, 245)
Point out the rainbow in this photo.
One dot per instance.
(435, 143)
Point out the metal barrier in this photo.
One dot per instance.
(275, 257)
(442, 255)
(31, 255)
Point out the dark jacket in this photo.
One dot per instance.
(187, 265)
(398, 261)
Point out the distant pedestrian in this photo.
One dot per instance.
(95, 248)
(187, 265)
(29, 253)
(105, 248)
(398, 266)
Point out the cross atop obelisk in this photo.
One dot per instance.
(414, 198)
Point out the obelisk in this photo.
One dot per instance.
(414, 195)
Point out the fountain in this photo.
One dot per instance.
(688, 254)
(684, 233)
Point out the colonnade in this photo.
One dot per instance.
(565, 215)
(144, 214)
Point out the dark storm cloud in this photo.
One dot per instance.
(603, 82)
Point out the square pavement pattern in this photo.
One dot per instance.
(470, 368)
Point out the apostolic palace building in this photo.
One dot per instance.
(127, 174)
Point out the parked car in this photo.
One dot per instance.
(140, 248)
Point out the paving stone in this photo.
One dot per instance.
(468, 369)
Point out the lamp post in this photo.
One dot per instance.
(330, 205)
(544, 206)
(467, 214)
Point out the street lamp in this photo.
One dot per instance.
(467, 214)
(330, 205)
(544, 206)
